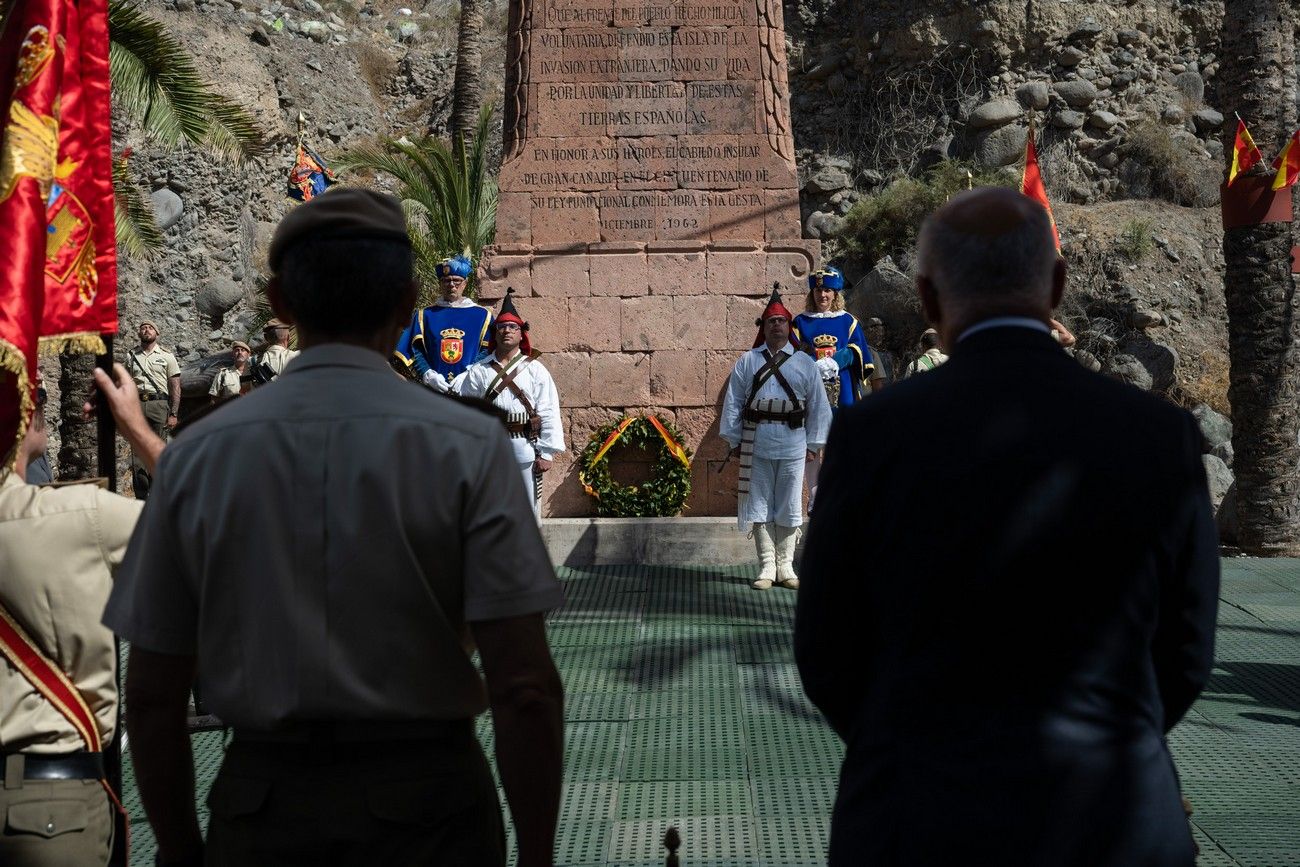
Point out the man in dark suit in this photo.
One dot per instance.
(1004, 647)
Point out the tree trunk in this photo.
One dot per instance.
(467, 86)
(1257, 80)
(78, 453)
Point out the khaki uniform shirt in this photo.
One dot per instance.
(386, 519)
(929, 360)
(225, 383)
(276, 357)
(58, 548)
(151, 370)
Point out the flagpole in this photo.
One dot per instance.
(106, 434)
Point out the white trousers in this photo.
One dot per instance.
(526, 470)
(775, 494)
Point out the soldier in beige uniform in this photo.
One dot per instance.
(157, 378)
(59, 548)
(277, 353)
(229, 382)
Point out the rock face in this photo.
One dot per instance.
(995, 113)
(1219, 478)
(1215, 428)
(889, 294)
(1001, 147)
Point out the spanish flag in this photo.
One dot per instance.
(1287, 163)
(58, 256)
(1031, 182)
(1244, 152)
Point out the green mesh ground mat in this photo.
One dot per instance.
(684, 708)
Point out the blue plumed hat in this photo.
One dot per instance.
(455, 266)
(829, 277)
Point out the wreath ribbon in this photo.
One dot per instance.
(673, 445)
(613, 438)
(672, 468)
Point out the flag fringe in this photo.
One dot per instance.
(77, 344)
(12, 360)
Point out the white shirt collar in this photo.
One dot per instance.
(462, 301)
(827, 314)
(788, 349)
(1005, 322)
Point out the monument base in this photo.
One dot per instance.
(634, 328)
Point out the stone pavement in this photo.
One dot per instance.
(684, 709)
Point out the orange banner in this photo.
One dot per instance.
(676, 448)
(58, 259)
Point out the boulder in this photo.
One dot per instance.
(217, 296)
(1219, 478)
(1102, 120)
(1078, 92)
(1034, 94)
(1069, 119)
(888, 293)
(167, 208)
(1207, 121)
(1128, 369)
(1159, 360)
(823, 225)
(995, 113)
(1224, 452)
(1070, 56)
(1000, 147)
(828, 180)
(1088, 360)
(1227, 517)
(1173, 114)
(1215, 427)
(1087, 31)
(1191, 84)
(317, 31)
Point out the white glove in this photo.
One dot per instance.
(436, 381)
(827, 367)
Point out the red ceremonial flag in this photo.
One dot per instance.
(1288, 163)
(1244, 152)
(58, 259)
(1031, 183)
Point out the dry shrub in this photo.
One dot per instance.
(1155, 165)
(377, 67)
(1210, 386)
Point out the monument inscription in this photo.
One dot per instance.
(611, 98)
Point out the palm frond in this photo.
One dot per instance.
(137, 231)
(156, 83)
(447, 193)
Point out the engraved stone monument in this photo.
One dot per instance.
(648, 203)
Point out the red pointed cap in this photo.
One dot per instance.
(510, 314)
(774, 308)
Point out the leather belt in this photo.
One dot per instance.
(794, 418)
(146, 398)
(70, 766)
(357, 732)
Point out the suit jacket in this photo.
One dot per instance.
(1005, 631)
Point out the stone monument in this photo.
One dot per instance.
(649, 201)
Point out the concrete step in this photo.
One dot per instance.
(632, 541)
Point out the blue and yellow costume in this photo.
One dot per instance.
(446, 338)
(836, 334)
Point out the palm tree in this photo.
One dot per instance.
(449, 196)
(155, 84)
(1258, 80)
(466, 88)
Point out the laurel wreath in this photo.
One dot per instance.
(663, 494)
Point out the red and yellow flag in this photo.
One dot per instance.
(1031, 182)
(1244, 152)
(1288, 163)
(58, 259)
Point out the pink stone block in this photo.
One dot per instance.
(739, 273)
(573, 13)
(619, 274)
(717, 107)
(677, 273)
(627, 215)
(699, 53)
(742, 314)
(496, 273)
(717, 372)
(561, 275)
(682, 215)
(648, 323)
(564, 217)
(595, 324)
(701, 321)
(646, 55)
(677, 377)
(647, 163)
(548, 322)
(514, 218)
(744, 54)
(545, 53)
(782, 215)
(620, 378)
(790, 267)
(770, 169)
(701, 155)
(737, 215)
(572, 374)
(562, 164)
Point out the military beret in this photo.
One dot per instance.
(341, 213)
(239, 344)
(148, 322)
(272, 324)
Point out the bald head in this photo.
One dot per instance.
(987, 252)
